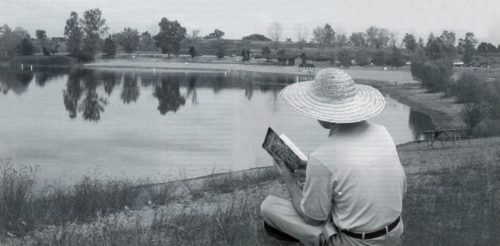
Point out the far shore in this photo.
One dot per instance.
(397, 83)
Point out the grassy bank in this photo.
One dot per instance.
(453, 198)
(44, 61)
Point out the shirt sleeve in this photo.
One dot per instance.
(317, 194)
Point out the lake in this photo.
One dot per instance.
(167, 125)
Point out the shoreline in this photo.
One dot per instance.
(399, 84)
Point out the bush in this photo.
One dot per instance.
(192, 51)
(57, 60)
(361, 58)
(468, 88)
(344, 58)
(379, 58)
(265, 51)
(397, 60)
(109, 47)
(25, 48)
(437, 75)
(220, 53)
(473, 113)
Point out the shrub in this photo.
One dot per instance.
(25, 47)
(379, 58)
(109, 47)
(220, 53)
(265, 51)
(361, 58)
(192, 51)
(344, 58)
(468, 88)
(473, 113)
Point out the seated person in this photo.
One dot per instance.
(354, 182)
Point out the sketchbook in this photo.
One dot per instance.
(281, 148)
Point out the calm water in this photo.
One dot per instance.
(161, 125)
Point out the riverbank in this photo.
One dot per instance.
(452, 191)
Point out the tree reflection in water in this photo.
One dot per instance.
(79, 83)
(218, 83)
(43, 75)
(130, 91)
(17, 81)
(418, 123)
(248, 80)
(169, 96)
(191, 90)
(109, 81)
(72, 93)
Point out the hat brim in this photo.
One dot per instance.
(365, 104)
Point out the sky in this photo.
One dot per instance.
(238, 18)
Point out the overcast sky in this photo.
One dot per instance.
(238, 18)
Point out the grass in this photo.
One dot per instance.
(26, 214)
(53, 60)
(453, 198)
(22, 209)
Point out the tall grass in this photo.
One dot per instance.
(22, 209)
(65, 209)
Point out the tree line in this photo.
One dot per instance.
(87, 35)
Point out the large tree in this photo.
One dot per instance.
(396, 60)
(128, 39)
(410, 42)
(485, 47)
(74, 34)
(274, 31)
(25, 48)
(170, 36)
(216, 34)
(318, 35)
(469, 46)
(358, 39)
(109, 47)
(328, 35)
(9, 41)
(341, 40)
(146, 42)
(377, 37)
(41, 36)
(93, 26)
(301, 31)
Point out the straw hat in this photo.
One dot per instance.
(334, 97)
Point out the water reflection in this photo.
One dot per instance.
(48, 74)
(234, 108)
(72, 94)
(83, 82)
(93, 104)
(109, 81)
(17, 81)
(191, 89)
(418, 123)
(130, 91)
(87, 92)
(169, 96)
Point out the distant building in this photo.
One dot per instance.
(458, 63)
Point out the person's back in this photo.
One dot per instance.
(367, 179)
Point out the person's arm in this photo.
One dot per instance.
(296, 194)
